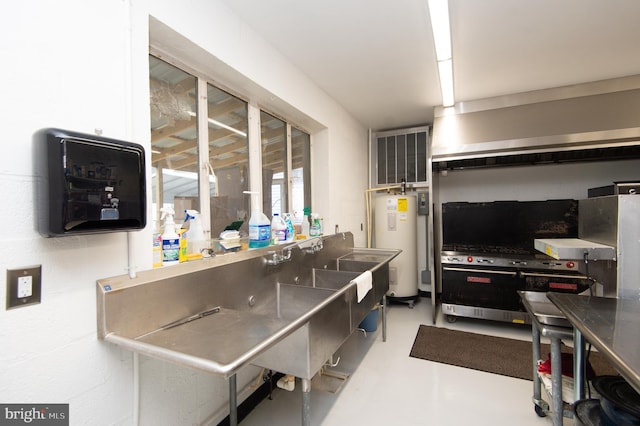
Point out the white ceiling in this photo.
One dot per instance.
(376, 57)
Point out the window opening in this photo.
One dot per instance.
(174, 136)
(181, 163)
(228, 159)
(274, 162)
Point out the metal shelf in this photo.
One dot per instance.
(574, 248)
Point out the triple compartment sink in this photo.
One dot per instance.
(260, 306)
(288, 313)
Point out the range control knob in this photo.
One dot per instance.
(469, 259)
(570, 264)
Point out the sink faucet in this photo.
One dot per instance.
(274, 258)
(313, 247)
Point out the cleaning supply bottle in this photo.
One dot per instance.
(157, 246)
(316, 229)
(182, 252)
(305, 222)
(259, 225)
(304, 233)
(291, 230)
(278, 230)
(195, 235)
(170, 239)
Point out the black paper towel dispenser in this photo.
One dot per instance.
(87, 184)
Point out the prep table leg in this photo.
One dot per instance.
(306, 402)
(535, 343)
(383, 307)
(556, 382)
(579, 365)
(233, 402)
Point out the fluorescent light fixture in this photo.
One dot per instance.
(439, 11)
(445, 68)
(224, 126)
(184, 175)
(220, 124)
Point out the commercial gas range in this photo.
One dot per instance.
(488, 255)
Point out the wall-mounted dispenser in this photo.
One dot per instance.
(87, 184)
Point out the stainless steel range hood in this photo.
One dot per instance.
(587, 122)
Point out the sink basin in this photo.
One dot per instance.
(228, 334)
(360, 260)
(303, 352)
(288, 302)
(324, 278)
(374, 257)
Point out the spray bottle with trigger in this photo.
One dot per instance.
(170, 239)
(195, 235)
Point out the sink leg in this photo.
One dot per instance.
(383, 309)
(306, 402)
(233, 402)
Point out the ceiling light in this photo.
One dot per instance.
(439, 13)
(222, 125)
(445, 69)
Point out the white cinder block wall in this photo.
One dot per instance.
(82, 65)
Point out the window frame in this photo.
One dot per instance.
(253, 142)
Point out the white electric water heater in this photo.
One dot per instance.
(395, 219)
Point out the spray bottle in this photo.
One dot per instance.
(195, 235)
(170, 239)
(305, 222)
(315, 228)
(291, 230)
(259, 224)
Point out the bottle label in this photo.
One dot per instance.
(280, 235)
(170, 250)
(264, 232)
(260, 232)
(182, 252)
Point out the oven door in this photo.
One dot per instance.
(482, 287)
(541, 280)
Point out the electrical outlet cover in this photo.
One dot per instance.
(24, 286)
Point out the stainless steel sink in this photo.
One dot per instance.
(304, 352)
(260, 305)
(289, 312)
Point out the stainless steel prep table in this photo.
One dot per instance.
(548, 321)
(611, 325)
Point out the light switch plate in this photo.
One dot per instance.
(24, 286)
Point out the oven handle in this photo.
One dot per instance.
(538, 274)
(481, 271)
